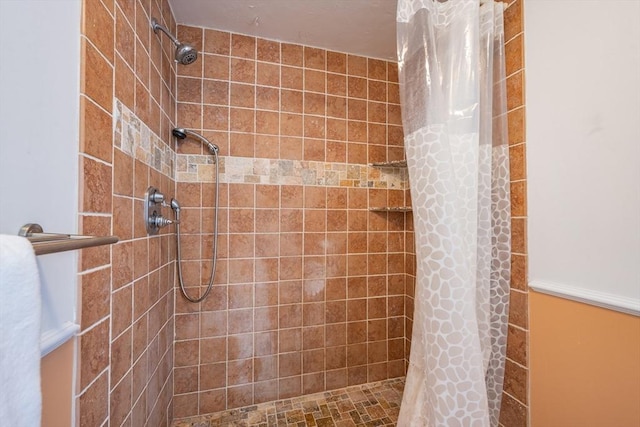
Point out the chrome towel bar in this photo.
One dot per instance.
(49, 243)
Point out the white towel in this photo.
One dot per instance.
(20, 398)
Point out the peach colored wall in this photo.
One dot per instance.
(56, 383)
(585, 364)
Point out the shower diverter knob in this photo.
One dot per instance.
(156, 197)
(160, 221)
(154, 200)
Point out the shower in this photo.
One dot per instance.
(181, 134)
(185, 53)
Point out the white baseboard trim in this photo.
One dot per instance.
(53, 339)
(588, 296)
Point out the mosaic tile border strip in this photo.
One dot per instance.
(373, 404)
(135, 138)
(132, 136)
(243, 170)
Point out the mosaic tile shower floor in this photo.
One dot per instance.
(375, 404)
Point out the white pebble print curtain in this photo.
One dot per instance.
(452, 84)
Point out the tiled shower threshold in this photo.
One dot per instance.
(373, 404)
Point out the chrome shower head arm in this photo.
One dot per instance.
(157, 26)
(185, 54)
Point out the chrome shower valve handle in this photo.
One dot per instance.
(154, 220)
(160, 221)
(157, 197)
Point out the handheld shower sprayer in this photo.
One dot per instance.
(182, 133)
(185, 53)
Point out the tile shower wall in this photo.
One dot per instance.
(515, 401)
(126, 290)
(310, 285)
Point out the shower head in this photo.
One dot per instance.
(185, 53)
(182, 133)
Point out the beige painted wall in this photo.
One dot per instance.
(56, 375)
(585, 364)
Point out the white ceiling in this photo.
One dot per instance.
(362, 27)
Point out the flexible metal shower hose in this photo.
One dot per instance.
(215, 244)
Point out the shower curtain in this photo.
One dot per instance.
(452, 84)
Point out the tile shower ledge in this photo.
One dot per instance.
(393, 164)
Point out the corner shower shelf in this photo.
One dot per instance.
(391, 209)
(393, 164)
